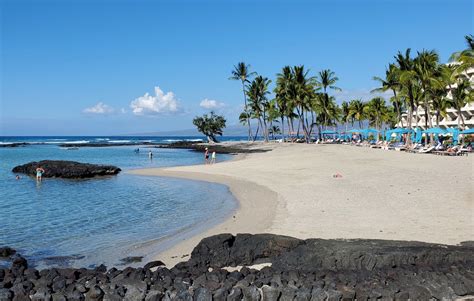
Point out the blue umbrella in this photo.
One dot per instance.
(455, 132)
(437, 131)
(468, 131)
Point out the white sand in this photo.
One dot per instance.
(382, 194)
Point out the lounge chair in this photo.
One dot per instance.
(426, 150)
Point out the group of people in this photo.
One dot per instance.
(206, 157)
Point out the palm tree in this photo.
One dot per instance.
(426, 65)
(242, 72)
(327, 79)
(465, 58)
(462, 94)
(356, 109)
(409, 89)
(257, 92)
(301, 92)
(391, 82)
(376, 111)
(283, 82)
(345, 113)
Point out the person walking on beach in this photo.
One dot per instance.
(206, 156)
(213, 158)
(39, 173)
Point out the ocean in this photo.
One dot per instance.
(85, 223)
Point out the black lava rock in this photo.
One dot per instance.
(67, 169)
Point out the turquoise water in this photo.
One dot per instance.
(89, 222)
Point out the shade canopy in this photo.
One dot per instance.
(437, 131)
(468, 131)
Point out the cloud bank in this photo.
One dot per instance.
(160, 103)
(210, 104)
(99, 108)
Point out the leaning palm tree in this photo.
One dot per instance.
(242, 72)
(465, 58)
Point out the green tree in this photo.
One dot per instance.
(210, 125)
(391, 82)
(376, 112)
(242, 73)
(461, 95)
(257, 92)
(327, 79)
(345, 113)
(356, 109)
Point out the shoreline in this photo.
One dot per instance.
(247, 217)
(291, 191)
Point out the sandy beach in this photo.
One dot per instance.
(291, 190)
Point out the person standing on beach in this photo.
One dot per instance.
(213, 158)
(39, 173)
(206, 156)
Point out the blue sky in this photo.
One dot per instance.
(84, 67)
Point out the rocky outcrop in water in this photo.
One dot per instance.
(220, 148)
(67, 169)
(313, 269)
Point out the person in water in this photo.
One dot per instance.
(206, 156)
(213, 158)
(39, 173)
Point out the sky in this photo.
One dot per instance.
(124, 67)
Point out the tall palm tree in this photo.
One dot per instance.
(409, 85)
(257, 92)
(391, 82)
(462, 94)
(242, 72)
(426, 65)
(345, 113)
(301, 91)
(327, 79)
(356, 109)
(376, 111)
(465, 58)
(283, 83)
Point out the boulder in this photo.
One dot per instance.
(67, 169)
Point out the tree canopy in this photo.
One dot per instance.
(210, 125)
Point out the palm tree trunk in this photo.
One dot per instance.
(282, 129)
(246, 112)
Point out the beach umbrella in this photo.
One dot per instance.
(436, 131)
(455, 133)
(328, 132)
(468, 131)
(418, 136)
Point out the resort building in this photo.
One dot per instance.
(450, 118)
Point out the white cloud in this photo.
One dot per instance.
(99, 108)
(210, 104)
(158, 104)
